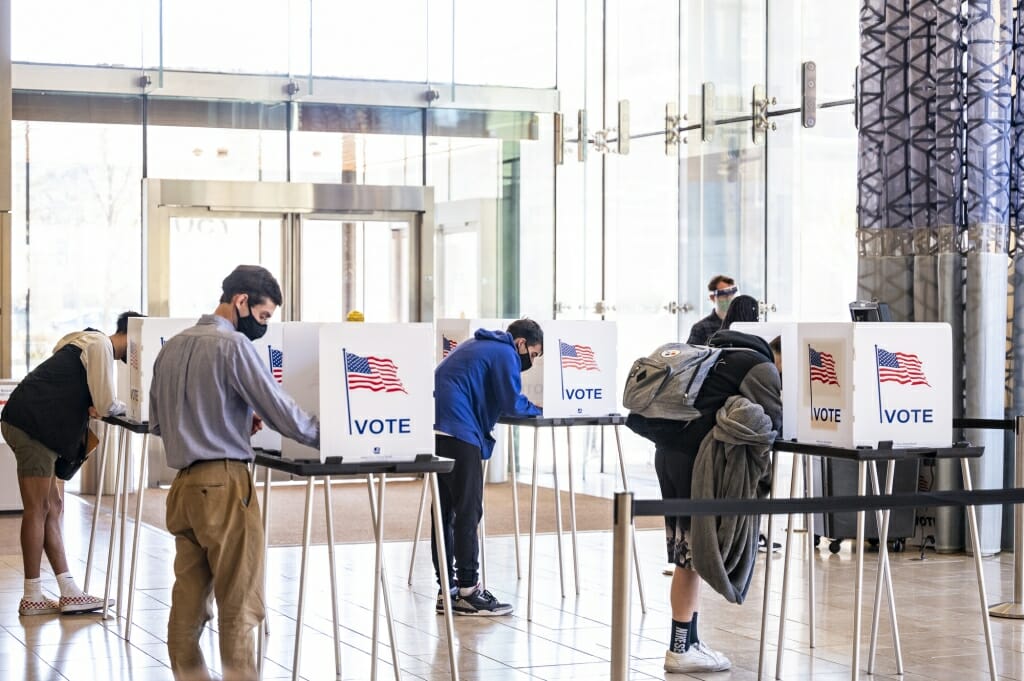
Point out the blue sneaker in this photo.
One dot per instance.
(480, 603)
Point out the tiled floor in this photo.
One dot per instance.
(568, 639)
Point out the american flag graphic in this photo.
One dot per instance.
(447, 345)
(823, 367)
(276, 363)
(900, 367)
(372, 373)
(133, 354)
(577, 357)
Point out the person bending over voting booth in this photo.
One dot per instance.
(46, 423)
(207, 380)
(713, 414)
(473, 386)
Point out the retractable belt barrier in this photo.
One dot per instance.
(626, 508)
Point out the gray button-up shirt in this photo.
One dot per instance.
(207, 381)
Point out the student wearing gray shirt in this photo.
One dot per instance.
(208, 385)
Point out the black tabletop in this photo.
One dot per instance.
(127, 423)
(540, 421)
(883, 452)
(424, 463)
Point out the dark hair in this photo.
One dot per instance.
(253, 280)
(741, 309)
(528, 330)
(776, 345)
(720, 279)
(122, 321)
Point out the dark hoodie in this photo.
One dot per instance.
(474, 385)
(746, 368)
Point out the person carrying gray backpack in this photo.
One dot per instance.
(675, 397)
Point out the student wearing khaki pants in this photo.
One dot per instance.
(208, 384)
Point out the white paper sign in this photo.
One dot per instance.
(864, 383)
(301, 379)
(146, 335)
(576, 375)
(376, 391)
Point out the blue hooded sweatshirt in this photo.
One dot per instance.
(474, 385)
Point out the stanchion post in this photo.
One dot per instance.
(622, 547)
(1015, 608)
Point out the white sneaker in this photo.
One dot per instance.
(699, 658)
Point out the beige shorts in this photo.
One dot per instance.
(35, 460)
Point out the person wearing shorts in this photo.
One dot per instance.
(750, 372)
(46, 418)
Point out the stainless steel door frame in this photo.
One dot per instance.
(164, 199)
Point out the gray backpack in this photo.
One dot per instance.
(665, 384)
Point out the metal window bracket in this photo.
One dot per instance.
(671, 129)
(809, 94)
(622, 139)
(581, 136)
(759, 103)
(559, 122)
(707, 107)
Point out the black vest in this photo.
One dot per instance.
(52, 403)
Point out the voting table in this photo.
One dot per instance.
(866, 459)
(125, 428)
(425, 464)
(537, 423)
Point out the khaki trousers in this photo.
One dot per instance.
(214, 516)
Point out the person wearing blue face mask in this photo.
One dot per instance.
(722, 290)
(207, 383)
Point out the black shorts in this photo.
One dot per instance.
(675, 474)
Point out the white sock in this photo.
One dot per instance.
(67, 586)
(466, 591)
(34, 589)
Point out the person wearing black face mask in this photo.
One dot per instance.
(207, 383)
(473, 386)
(247, 325)
(45, 422)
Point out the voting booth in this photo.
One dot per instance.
(449, 333)
(271, 351)
(859, 384)
(146, 335)
(372, 385)
(576, 375)
(787, 331)
(10, 496)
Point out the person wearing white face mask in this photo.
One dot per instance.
(722, 290)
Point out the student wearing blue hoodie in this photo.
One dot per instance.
(475, 385)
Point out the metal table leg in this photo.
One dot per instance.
(883, 578)
(329, 513)
(572, 513)
(419, 526)
(859, 583)
(377, 573)
(636, 554)
(263, 630)
(119, 471)
(388, 617)
(533, 529)
(510, 454)
(127, 461)
(809, 528)
(780, 651)
(140, 495)
(972, 520)
(767, 574)
(99, 498)
(442, 561)
(558, 512)
(306, 532)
